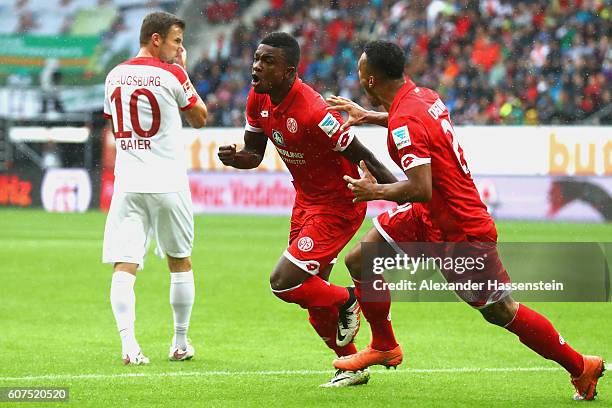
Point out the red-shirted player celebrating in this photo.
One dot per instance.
(446, 207)
(293, 116)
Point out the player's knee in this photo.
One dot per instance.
(491, 316)
(179, 264)
(500, 313)
(126, 267)
(278, 282)
(275, 282)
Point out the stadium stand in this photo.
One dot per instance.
(493, 61)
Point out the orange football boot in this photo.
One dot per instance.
(369, 357)
(586, 384)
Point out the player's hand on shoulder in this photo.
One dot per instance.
(357, 114)
(227, 154)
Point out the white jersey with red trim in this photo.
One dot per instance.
(143, 96)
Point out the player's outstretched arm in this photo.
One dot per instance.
(357, 114)
(356, 152)
(417, 188)
(250, 156)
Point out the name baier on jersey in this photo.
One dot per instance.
(308, 139)
(420, 132)
(143, 96)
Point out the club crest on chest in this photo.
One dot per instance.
(277, 136)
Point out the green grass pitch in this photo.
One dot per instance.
(57, 328)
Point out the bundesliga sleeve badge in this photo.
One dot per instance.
(187, 89)
(329, 125)
(401, 137)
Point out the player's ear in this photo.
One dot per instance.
(290, 72)
(156, 39)
(371, 81)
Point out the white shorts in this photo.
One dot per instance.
(133, 216)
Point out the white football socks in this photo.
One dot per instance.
(123, 302)
(182, 294)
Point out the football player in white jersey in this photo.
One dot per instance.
(143, 97)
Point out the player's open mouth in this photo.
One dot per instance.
(255, 80)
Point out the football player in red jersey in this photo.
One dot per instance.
(283, 109)
(444, 207)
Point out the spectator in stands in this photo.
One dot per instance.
(493, 61)
(549, 61)
(222, 11)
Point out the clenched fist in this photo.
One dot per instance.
(227, 154)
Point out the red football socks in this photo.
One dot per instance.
(325, 322)
(537, 333)
(315, 292)
(376, 311)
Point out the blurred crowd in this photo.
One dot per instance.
(492, 61)
(222, 11)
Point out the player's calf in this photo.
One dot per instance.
(182, 296)
(538, 333)
(352, 260)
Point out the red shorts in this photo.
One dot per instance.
(407, 224)
(316, 238)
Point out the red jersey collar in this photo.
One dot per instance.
(403, 91)
(288, 99)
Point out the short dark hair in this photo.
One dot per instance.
(386, 58)
(288, 44)
(159, 22)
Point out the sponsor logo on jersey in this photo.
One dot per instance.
(292, 125)
(291, 157)
(278, 137)
(329, 124)
(264, 114)
(305, 244)
(437, 109)
(344, 140)
(561, 340)
(309, 266)
(401, 137)
(410, 160)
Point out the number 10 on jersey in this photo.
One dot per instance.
(120, 131)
